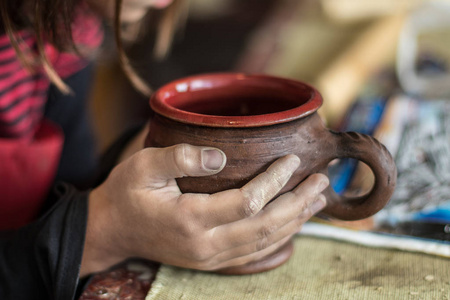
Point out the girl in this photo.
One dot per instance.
(58, 235)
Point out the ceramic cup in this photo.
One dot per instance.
(256, 119)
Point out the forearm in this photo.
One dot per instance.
(100, 250)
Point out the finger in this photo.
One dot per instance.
(266, 240)
(259, 249)
(252, 257)
(178, 161)
(281, 211)
(232, 205)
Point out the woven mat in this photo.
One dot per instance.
(319, 269)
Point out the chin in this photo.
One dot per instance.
(160, 4)
(132, 16)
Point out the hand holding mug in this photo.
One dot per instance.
(139, 211)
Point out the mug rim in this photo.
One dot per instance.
(158, 102)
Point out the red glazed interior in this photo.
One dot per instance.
(235, 100)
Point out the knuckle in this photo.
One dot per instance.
(279, 179)
(307, 213)
(252, 204)
(197, 244)
(187, 224)
(262, 244)
(180, 155)
(187, 159)
(264, 235)
(192, 210)
(279, 182)
(266, 231)
(200, 254)
(187, 230)
(185, 205)
(301, 204)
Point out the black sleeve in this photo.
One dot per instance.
(42, 260)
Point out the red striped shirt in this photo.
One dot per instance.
(22, 94)
(30, 146)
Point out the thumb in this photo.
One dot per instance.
(180, 161)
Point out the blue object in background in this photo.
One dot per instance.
(363, 117)
(440, 214)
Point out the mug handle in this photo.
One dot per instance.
(374, 154)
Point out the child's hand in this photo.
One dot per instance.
(139, 211)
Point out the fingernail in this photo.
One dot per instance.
(318, 205)
(213, 159)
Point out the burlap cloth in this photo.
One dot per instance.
(319, 269)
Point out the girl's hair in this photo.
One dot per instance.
(173, 16)
(51, 20)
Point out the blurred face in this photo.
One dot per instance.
(159, 3)
(132, 10)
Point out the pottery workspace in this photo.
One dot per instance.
(381, 71)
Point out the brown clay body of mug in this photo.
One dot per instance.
(256, 119)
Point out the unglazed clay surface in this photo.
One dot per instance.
(256, 119)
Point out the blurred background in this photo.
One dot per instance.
(334, 44)
(381, 67)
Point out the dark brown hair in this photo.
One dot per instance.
(54, 19)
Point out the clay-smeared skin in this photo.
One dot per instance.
(251, 150)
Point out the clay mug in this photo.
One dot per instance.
(255, 119)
